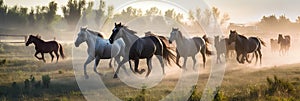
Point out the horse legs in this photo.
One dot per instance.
(52, 56)
(149, 64)
(238, 56)
(136, 66)
(177, 58)
(57, 56)
(184, 63)
(260, 56)
(161, 63)
(218, 58)
(43, 57)
(117, 58)
(119, 65)
(194, 62)
(203, 56)
(97, 60)
(88, 60)
(256, 56)
(36, 53)
(110, 63)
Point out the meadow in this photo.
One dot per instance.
(277, 79)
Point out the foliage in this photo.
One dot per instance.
(195, 96)
(46, 80)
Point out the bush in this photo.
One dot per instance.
(195, 96)
(46, 80)
(219, 95)
(26, 83)
(279, 87)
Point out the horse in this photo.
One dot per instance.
(42, 47)
(230, 48)
(189, 47)
(99, 48)
(244, 45)
(274, 45)
(141, 48)
(285, 43)
(220, 45)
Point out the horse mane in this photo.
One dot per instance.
(180, 34)
(95, 33)
(36, 37)
(129, 30)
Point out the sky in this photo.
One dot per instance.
(240, 11)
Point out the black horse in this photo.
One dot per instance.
(141, 48)
(244, 45)
(42, 47)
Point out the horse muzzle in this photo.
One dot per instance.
(77, 44)
(170, 41)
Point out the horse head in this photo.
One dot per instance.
(174, 34)
(115, 31)
(232, 36)
(30, 40)
(81, 36)
(280, 38)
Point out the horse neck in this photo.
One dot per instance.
(180, 40)
(91, 40)
(38, 41)
(129, 38)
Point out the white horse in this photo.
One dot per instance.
(99, 48)
(189, 47)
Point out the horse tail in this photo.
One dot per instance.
(262, 42)
(168, 52)
(198, 41)
(207, 51)
(61, 51)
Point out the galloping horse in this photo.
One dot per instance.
(99, 48)
(42, 47)
(141, 48)
(274, 45)
(230, 48)
(244, 45)
(220, 45)
(189, 47)
(285, 43)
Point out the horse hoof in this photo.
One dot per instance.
(115, 76)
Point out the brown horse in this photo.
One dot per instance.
(42, 47)
(230, 48)
(285, 43)
(274, 45)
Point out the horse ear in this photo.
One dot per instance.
(120, 23)
(115, 24)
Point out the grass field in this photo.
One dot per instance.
(277, 79)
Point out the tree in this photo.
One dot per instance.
(298, 20)
(152, 11)
(100, 12)
(50, 12)
(170, 13)
(73, 11)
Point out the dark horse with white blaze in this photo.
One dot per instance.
(141, 48)
(42, 47)
(244, 45)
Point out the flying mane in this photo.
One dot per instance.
(129, 30)
(95, 33)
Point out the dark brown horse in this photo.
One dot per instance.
(285, 43)
(42, 47)
(244, 45)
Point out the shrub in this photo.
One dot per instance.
(279, 87)
(219, 95)
(46, 80)
(195, 96)
(26, 83)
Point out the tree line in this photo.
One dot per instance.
(45, 17)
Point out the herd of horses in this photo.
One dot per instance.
(282, 44)
(124, 43)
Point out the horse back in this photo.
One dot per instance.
(198, 42)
